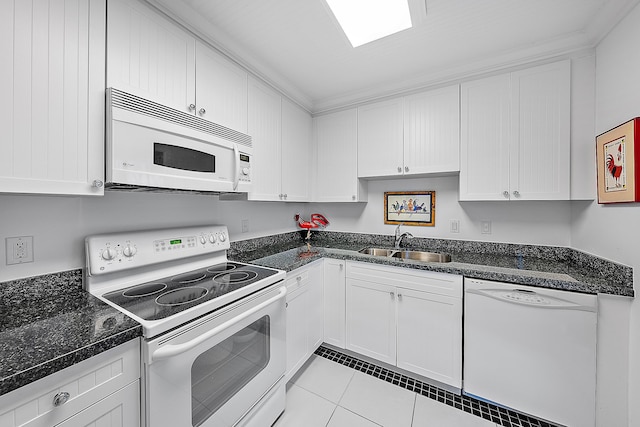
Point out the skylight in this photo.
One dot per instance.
(364, 21)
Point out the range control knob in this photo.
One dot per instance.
(203, 240)
(109, 254)
(222, 237)
(129, 251)
(212, 238)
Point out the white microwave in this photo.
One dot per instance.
(151, 147)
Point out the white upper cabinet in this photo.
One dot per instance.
(296, 153)
(336, 153)
(52, 88)
(413, 135)
(281, 135)
(265, 126)
(515, 135)
(432, 131)
(221, 89)
(380, 143)
(150, 56)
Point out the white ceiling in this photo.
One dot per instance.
(297, 46)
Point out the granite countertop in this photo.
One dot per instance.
(550, 267)
(48, 323)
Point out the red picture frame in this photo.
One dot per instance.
(618, 163)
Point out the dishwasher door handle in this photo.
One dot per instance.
(534, 299)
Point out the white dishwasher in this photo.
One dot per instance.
(531, 349)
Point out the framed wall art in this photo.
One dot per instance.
(410, 208)
(618, 163)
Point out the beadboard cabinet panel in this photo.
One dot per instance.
(432, 131)
(296, 153)
(336, 152)
(485, 138)
(265, 127)
(221, 89)
(150, 56)
(52, 87)
(380, 139)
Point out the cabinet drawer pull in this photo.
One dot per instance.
(391, 294)
(516, 193)
(192, 107)
(399, 297)
(406, 168)
(399, 169)
(61, 398)
(505, 194)
(202, 111)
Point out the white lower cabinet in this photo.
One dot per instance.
(405, 317)
(334, 302)
(103, 390)
(304, 315)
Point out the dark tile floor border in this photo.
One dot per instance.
(496, 414)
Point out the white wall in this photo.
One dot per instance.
(542, 223)
(612, 231)
(60, 224)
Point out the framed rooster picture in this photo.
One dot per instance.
(618, 162)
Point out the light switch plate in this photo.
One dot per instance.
(485, 227)
(454, 225)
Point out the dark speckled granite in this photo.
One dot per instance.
(542, 266)
(48, 323)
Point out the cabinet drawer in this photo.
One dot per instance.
(86, 383)
(409, 278)
(297, 279)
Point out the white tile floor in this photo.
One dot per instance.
(326, 394)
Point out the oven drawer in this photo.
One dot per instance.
(86, 383)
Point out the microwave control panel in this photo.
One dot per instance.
(245, 167)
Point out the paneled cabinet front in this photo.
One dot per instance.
(412, 135)
(336, 154)
(304, 314)
(150, 56)
(515, 141)
(52, 88)
(408, 318)
(281, 133)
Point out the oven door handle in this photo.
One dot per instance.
(175, 349)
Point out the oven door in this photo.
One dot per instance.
(212, 371)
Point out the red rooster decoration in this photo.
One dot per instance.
(614, 169)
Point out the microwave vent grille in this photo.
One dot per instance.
(136, 104)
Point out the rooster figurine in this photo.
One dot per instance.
(615, 169)
(316, 221)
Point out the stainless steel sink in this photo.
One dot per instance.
(406, 254)
(422, 256)
(377, 251)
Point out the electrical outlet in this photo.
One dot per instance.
(485, 227)
(19, 249)
(454, 225)
(245, 225)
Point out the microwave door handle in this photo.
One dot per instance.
(175, 349)
(236, 160)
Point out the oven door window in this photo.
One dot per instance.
(173, 156)
(220, 372)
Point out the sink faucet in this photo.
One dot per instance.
(399, 236)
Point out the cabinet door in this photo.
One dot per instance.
(296, 329)
(541, 146)
(380, 134)
(430, 335)
(121, 409)
(315, 308)
(150, 56)
(264, 126)
(296, 153)
(371, 320)
(334, 302)
(221, 89)
(52, 114)
(336, 150)
(432, 131)
(485, 131)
